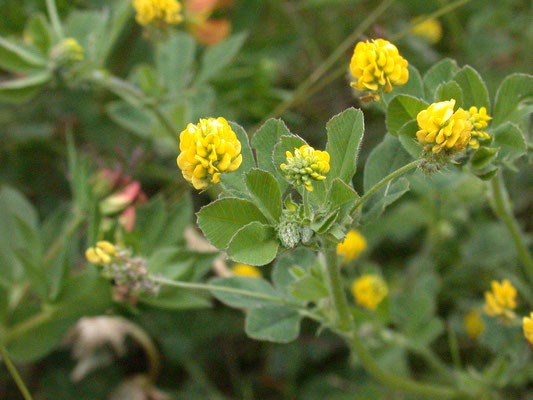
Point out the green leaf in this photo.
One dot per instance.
(234, 181)
(413, 87)
(132, 118)
(173, 59)
(340, 193)
(244, 292)
(386, 158)
(89, 28)
(303, 258)
(264, 141)
(216, 58)
(221, 219)
(254, 244)
(179, 218)
(309, 288)
(18, 58)
(172, 298)
(514, 89)
(450, 90)
(482, 157)
(407, 136)
(402, 109)
(179, 264)
(278, 324)
(345, 133)
(510, 140)
(441, 72)
(39, 33)
(265, 193)
(475, 92)
(150, 220)
(22, 89)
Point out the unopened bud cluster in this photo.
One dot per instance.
(130, 275)
(306, 165)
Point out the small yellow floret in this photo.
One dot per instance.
(306, 165)
(208, 149)
(102, 253)
(474, 324)
(352, 246)
(157, 12)
(500, 301)
(369, 290)
(480, 121)
(443, 127)
(378, 64)
(430, 30)
(527, 324)
(246, 270)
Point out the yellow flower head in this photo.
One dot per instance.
(474, 324)
(353, 245)
(378, 64)
(207, 149)
(157, 12)
(430, 30)
(102, 253)
(369, 290)
(479, 120)
(68, 51)
(527, 324)
(443, 127)
(500, 301)
(246, 270)
(305, 165)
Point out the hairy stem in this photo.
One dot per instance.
(502, 207)
(336, 289)
(14, 373)
(383, 182)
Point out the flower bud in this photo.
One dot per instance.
(67, 52)
(306, 165)
(369, 291)
(157, 12)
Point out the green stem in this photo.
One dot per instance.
(346, 327)
(14, 373)
(502, 207)
(301, 91)
(54, 18)
(336, 289)
(28, 324)
(454, 348)
(398, 382)
(383, 182)
(213, 288)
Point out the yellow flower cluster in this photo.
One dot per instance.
(430, 30)
(474, 324)
(500, 301)
(443, 127)
(378, 64)
(246, 270)
(353, 245)
(102, 253)
(369, 290)
(480, 120)
(208, 149)
(527, 325)
(158, 12)
(305, 165)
